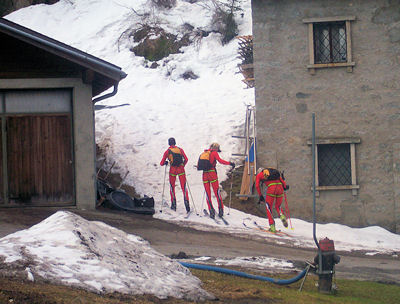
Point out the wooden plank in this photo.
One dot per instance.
(245, 188)
(353, 167)
(13, 161)
(50, 160)
(330, 65)
(343, 187)
(69, 169)
(59, 189)
(311, 42)
(45, 146)
(348, 41)
(39, 160)
(26, 160)
(47, 163)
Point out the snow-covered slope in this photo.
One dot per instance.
(160, 103)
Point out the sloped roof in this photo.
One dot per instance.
(106, 74)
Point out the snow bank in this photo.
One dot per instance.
(67, 249)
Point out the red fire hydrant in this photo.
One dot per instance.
(325, 261)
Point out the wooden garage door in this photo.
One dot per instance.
(39, 159)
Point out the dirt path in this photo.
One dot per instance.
(170, 239)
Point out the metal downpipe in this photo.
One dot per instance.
(314, 196)
(313, 174)
(108, 95)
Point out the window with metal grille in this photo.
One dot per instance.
(330, 44)
(334, 165)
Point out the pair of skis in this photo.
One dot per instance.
(208, 215)
(261, 228)
(215, 219)
(188, 214)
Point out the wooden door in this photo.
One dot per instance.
(39, 159)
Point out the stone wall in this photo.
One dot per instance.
(8, 6)
(364, 104)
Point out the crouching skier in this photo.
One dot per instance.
(177, 159)
(208, 162)
(275, 184)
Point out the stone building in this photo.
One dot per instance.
(47, 95)
(340, 60)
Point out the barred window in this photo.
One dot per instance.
(330, 42)
(334, 165)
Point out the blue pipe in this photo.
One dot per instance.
(245, 275)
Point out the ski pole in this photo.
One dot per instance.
(191, 196)
(230, 195)
(288, 213)
(202, 200)
(286, 208)
(162, 197)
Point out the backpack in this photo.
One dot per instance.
(204, 161)
(271, 174)
(175, 157)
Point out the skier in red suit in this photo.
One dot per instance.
(210, 178)
(177, 159)
(275, 186)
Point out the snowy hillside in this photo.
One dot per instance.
(158, 103)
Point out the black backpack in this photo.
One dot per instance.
(175, 157)
(204, 161)
(271, 174)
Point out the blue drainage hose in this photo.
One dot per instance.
(245, 275)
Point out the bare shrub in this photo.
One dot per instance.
(155, 43)
(164, 3)
(223, 20)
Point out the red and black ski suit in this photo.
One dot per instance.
(175, 171)
(274, 192)
(210, 177)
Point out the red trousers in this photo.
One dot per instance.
(274, 193)
(173, 173)
(210, 179)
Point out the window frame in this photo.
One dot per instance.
(312, 65)
(352, 142)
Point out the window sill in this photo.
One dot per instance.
(354, 188)
(349, 65)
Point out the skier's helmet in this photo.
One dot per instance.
(171, 141)
(215, 146)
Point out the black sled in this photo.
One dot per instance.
(120, 200)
